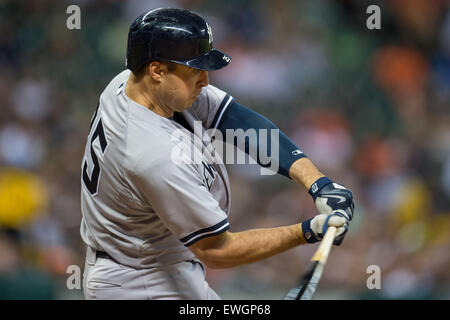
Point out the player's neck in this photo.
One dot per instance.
(139, 93)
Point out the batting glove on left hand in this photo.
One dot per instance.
(331, 197)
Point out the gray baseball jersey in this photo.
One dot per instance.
(139, 203)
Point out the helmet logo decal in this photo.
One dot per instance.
(209, 33)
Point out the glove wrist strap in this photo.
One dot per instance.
(308, 234)
(318, 185)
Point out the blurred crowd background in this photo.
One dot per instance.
(371, 108)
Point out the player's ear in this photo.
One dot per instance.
(156, 70)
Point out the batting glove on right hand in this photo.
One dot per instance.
(315, 228)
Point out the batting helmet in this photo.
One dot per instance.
(176, 35)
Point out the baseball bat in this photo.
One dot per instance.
(305, 290)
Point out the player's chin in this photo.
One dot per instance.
(195, 97)
(189, 102)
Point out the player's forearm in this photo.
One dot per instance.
(250, 246)
(304, 172)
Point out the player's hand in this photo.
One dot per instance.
(314, 228)
(331, 197)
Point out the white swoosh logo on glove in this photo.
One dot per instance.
(341, 198)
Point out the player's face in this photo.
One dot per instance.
(181, 87)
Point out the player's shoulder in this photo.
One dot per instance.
(119, 80)
(210, 104)
(209, 100)
(211, 92)
(121, 76)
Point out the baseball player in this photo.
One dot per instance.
(152, 222)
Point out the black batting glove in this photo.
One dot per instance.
(332, 198)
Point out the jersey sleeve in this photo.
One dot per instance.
(210, 106)
(179, 197)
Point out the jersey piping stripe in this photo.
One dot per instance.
(223, 106)
(206, 232)
(209, 234)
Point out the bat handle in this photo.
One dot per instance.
(322, 252)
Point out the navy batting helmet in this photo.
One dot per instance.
(176, 35)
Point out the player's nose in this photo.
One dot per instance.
(203, 79)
